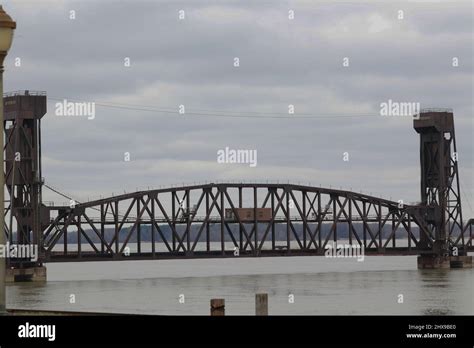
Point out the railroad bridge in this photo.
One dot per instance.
(215, 220)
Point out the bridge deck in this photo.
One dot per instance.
(92, 256)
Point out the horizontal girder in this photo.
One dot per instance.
(200, 220)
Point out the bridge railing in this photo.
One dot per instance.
(305, 219)
(24, 93)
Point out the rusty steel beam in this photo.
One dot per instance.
(191, 221)
(312, 220)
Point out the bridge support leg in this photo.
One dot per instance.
(461, 261)
(434, 261)
(28, 274)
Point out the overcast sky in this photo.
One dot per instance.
(282, 62)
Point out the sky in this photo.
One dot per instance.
(400, 56)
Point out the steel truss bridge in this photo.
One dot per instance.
(231, 219)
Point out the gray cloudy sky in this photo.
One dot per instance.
(282, 62)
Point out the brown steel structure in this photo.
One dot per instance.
(440, 177)
(206, 220)
(24, 217)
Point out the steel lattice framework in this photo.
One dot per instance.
(231, 219)
(310, 217)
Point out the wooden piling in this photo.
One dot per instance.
(217, 307)
(261, 304)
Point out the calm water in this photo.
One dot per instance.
(319, 285)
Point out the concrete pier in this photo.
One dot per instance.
(460, 261)
(29, 274)
(439, 262)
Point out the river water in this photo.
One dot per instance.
(295, 286)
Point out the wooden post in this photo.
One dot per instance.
(261, 304)
(217, 307)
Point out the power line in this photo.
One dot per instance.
(463, 192)
(76, 201)
(58, 192)
(220, 113)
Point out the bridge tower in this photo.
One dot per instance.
(24, 216)
(440, 191)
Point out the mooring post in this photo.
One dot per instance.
(217, 307)
(261, 304)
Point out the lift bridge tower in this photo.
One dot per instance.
(440, 192)
(24, 217)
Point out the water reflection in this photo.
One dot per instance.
(428, 292)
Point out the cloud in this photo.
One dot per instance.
(283, 62)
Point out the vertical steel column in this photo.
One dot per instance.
(222, 219)
(334, 219)
(380, 226)
(320, 221)
(102, 228)
(188, 222)
(79, 237)
(173, 218)
(241, 234)
(274, 217)
(208, 232)
(470, 233)
(305, 224)
(139, 218)
(153, 222)
(255, 223)
(350, 221)
(457, 194)
(364, 218)
(288, 244)
(410, 232)
(393, 230)
(65, 237)
(116, 229)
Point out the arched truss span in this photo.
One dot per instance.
(235, 220)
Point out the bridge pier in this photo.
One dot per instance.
(461, 261)
(28, 274)
(438, 262)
